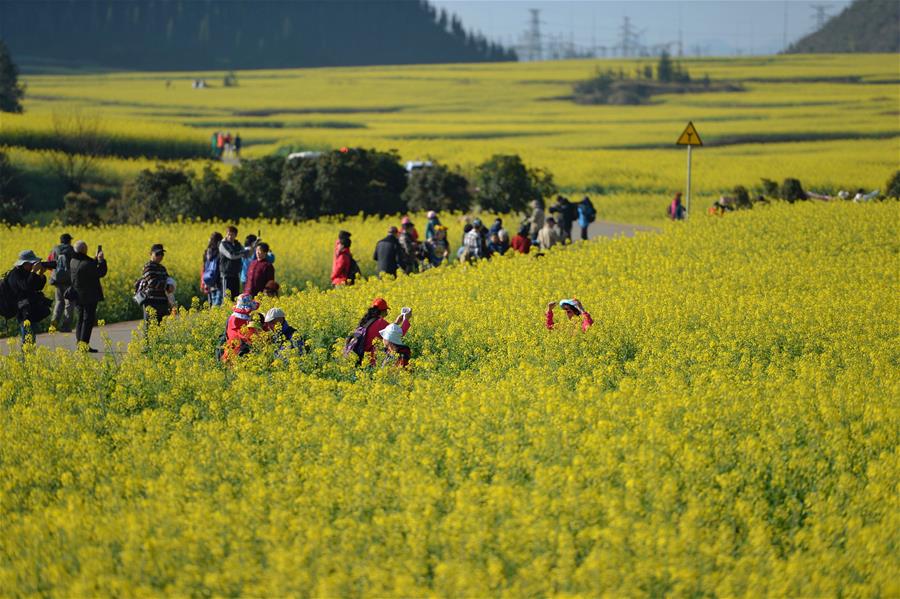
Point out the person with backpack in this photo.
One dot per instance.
(573, 308)
(231, 262)
(240, 329)
(151, 290)
(567, 213)
(88, 292)
(360, 342)
(60, 278)
(260, 272)
(21, 293)
(388, 253)
(210, 275)
(409, 260)
(344, 268)
(586, 215)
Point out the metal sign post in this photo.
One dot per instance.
(689, 138)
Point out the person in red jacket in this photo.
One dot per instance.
(260, 272)
(241, 328)
(572, 308)
(521, 242)
(374, 321)
(343, 260)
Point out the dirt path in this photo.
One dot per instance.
(119, 334)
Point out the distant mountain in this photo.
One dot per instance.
(237, 34)
(864, 26)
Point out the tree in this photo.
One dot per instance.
(258, 182)
(12, 194)
(437, 188)
(147, 197)
(81, 141)
(505, 184)
(664, 68)
(11, 91)
(80, 209)
(299, 197)
(792, 190)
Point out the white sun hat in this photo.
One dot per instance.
(274, 313)
(392, 333)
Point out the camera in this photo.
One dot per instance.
(49, 264)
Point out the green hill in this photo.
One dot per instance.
(864, 26)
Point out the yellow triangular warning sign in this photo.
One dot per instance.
(690, 137)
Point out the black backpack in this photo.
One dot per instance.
(9, 301)
(354, 271)
(356, 342)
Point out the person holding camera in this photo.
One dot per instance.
(86, 273)
(25, 283)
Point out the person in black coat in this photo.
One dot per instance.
(388, 253)
(26, 281)
(86, 274)
(568, 213)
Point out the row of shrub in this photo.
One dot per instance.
(347, 181)
(791, 190)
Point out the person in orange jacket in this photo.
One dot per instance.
(572, 308)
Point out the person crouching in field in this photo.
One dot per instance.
(241, 328)
(572, 308)
(361, 341)
(396, 352)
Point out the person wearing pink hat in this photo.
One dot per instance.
(241, 328)
(412, 228)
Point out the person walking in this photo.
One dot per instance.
(153, 286)
(536, 220)
(260, 272)
(24, 283)
(676, 210)
(438, 248)
(586, 215)
(388, 253)
(238, 142)
(433, 221)
(61, 279)
(211, 274)
(549, 235)
(86, 275)
(566, 212)
(573, 308)
(474, 243)
(342, 265)
(231, 255)
(409, 259)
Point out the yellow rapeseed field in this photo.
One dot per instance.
(830, 121)
(728, 427)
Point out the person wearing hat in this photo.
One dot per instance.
(26, 281)
(438, 248)
(474, 243)
(153, 285)
(572, 308)
(374, 322)
(397, 352)
(86, 275)
(241, 327)
(284, 336)
(63, 309)
(407, 224)
(433, 221)
(388, 253)
(342, 265)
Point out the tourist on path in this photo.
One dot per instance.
(61, 279)
(26, 281)
(231, 254)
(153, 286)
(260, 272)
(86, 275)
(388, 253)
